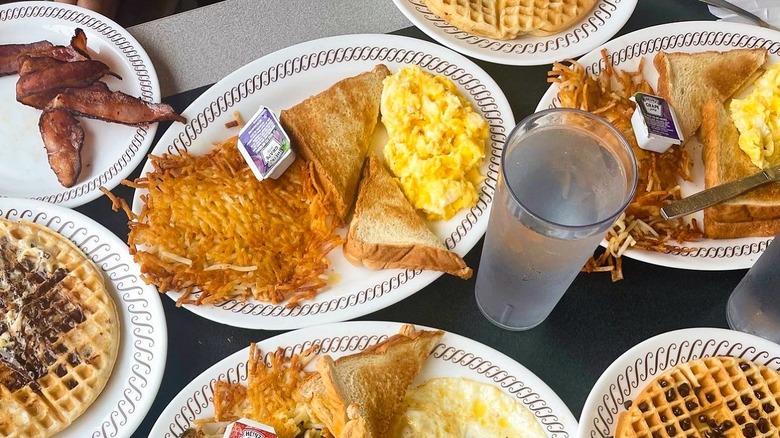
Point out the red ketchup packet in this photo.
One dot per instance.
(246, 428)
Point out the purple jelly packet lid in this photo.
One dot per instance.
(655, 124)
(659, 116)
(265, 146)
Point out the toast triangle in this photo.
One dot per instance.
(386, 231)
(333, 130)
(688, 80)
(357, 396)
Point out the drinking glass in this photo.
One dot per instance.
(754, 305)
(565, 176)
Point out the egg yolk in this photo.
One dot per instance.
(436, 142)
(448, 407)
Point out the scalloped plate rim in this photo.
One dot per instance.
(626, 9)
(706, 262)
(367, 328)
(406, 287)
(150, 130)
(154, 307)
(642, 349)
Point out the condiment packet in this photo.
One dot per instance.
(265, 146)
(246, 428)
(655, 124)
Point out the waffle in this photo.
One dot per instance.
(507, 19)
(59, 331)
(713, 397)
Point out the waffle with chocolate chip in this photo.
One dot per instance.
(59, 331)
(713, 397)
(507, 19)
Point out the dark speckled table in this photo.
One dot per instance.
(595, 322)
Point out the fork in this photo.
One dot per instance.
(739, 11)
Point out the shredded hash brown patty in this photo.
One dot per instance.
(268, 396)
(208, 225)
(641, 225)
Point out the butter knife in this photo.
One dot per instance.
(718, 194)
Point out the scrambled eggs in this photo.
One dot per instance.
(757, 118)
(436, 141)
(457, 407)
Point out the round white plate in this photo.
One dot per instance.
(601, 24)
(694, 36)
(111, 151)
(285, 78)
(455, 356)
(629, 374)
(143, 335)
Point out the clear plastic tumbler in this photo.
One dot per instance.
(565, 176)
(754, 305)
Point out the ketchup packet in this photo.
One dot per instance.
(246, 428)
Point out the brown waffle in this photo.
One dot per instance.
(508, 19)
(713, 397)
(59, 331)
(542, 17)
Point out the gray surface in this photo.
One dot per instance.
(201, 46)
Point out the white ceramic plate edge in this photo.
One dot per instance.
(402, 283)
(709, 254)
(730, 341)
(527, 56)
(480, 359)
(76, 195)
(138, 307)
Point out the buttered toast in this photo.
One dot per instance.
(357, 396)
(688, 80)
(386, 231)
(333, 130)
(755, 213)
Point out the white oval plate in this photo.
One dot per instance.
(111, 151)
(694, 36)
(455, 356)
(285, 78)
(601, 24)
(629, 374)
(143, 335)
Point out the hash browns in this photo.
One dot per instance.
(268, 395)
(270, 389)
(641, 225)
(208, 225)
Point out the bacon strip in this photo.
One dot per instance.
(41, 100)
(43, 78)
(63, 138)
(65, 82)
(79, 43)
(62, 53)
(10, 52)
(32, 63)
(103, 104)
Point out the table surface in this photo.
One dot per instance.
(595, 322)
(185, 59)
